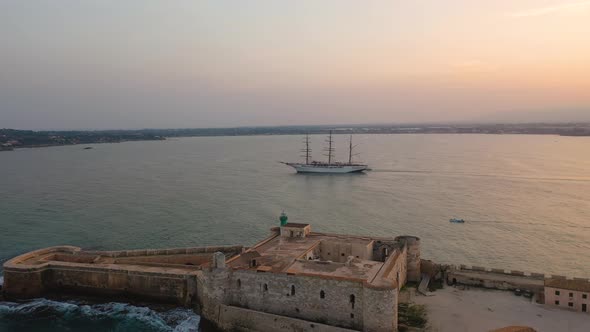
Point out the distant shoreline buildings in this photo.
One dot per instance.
(11, 138)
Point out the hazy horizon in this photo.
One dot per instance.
(210, 64)
(368, 124)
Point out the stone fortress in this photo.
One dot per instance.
(294, 280)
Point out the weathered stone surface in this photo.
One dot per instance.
(324, 282)
(234, 318)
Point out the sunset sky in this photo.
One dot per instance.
(74, 64)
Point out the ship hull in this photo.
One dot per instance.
(328, 169)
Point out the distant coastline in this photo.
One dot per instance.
(11, 139)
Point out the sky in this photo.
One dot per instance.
(111, 64)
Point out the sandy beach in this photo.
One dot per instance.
(472, 310)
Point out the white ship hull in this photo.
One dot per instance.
(328, 169)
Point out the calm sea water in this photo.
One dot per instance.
(526, 199)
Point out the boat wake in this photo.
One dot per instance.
(532, 223)
(498, 176)
(48, 315)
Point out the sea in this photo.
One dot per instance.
(525, 200)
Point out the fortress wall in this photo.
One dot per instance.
(84, 259)
(34, 282)
(384, 248)
(24, 284)
(399, 271)
(174, 251)
(23, 280)
(412, 244)
(393, 273)
(69, 269)
(240, 319)
(338, 251)
(531, 275)
(213, 290)
(162, 287)
(495, 279)
(180, 259)
(380, 309)
(336, 308)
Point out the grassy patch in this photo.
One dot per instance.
(434, 285)
(409, 284)
(412, 315)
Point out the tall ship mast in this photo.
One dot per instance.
(307, 149)
(330, 149)
(330, 167)
(350, 148)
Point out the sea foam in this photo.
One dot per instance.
(113, 316)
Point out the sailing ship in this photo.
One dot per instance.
(330, 167)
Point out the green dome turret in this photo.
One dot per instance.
(283, 218)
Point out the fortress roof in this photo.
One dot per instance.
(333, 256)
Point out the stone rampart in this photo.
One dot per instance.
(164, 287)
(342, 302)
(173, 251)
(241, 319)
(393, 272)
(331, 301)
(532, 275)
(412, 243)
(70, 269)
(496, 278)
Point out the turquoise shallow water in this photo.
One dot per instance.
(526, 199)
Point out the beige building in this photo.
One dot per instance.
(567, 293)
(294, 280)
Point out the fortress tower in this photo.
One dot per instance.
(413, 256)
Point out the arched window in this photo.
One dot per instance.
(292, 289)
(265, 288)
(322, 294)
(352, 300)
(239, 283)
